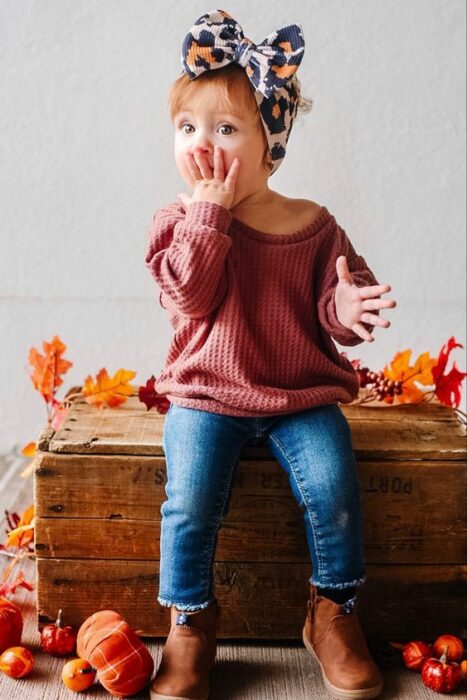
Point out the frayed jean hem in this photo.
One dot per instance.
(326, 584)
(185, 607)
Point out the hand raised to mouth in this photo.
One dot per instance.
(212, 183)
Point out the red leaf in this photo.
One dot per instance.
(11, 587)
(448, 386)
(148, 395)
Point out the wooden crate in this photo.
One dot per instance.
(99, 484)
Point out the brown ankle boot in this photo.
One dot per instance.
(334, 638)
(188, 655)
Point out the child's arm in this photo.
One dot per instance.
(186, 256)
(353, 303)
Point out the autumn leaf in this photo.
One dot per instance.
(29, 450)
(10, 587)
(21, 536)
(148, 395)
(110, 391)
(401, 370)
(23, 533)
(48, 367)
(447, 387)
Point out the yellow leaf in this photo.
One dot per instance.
(401, 370)
(20, 536)
(23, 533)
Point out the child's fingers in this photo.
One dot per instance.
(378, 303)
(218, 163)
(233, 172)
(375, 320)
(362, 332)
(201, 161)
(374, 290)
(192, 167)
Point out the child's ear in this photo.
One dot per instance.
(267, 160)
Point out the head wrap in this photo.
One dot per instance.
(216, 40)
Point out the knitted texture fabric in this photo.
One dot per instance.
(253, 312)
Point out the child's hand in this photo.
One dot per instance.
(353, 303)
(210, 183)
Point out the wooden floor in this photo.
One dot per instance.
(246, 671)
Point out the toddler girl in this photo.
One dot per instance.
(257, 285)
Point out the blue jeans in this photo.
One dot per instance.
(202, 450)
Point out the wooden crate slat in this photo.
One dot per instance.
(396, 602)
(401, 431)
(408, 541)
(404, 510)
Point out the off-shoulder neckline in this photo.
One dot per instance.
(306, 231)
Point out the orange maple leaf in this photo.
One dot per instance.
(110, 391)
(29, 450)
(48, 367)
(400, 370)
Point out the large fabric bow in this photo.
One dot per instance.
(216, 39)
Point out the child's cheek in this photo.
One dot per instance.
(183, 168)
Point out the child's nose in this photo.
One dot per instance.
(208, 152)
(201, 149)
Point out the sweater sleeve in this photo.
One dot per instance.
(334, 246)
(186, 256)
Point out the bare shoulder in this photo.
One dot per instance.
(298, 213)
(305, 206)
(303, 211)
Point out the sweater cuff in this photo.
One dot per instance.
(208, 214)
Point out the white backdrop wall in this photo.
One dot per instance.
(86, 158)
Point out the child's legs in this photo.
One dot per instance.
(201, 451)
(315, 449)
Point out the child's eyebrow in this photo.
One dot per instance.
(219, 114)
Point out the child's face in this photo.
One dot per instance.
(205, 124)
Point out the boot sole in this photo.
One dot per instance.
(158, 696)
(341, 693)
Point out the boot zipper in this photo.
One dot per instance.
(349, 605)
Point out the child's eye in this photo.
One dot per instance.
(228, 126)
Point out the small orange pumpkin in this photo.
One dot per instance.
(453, 646)
(11, 624)
(124, 665)
(78, 675)
(16, 662)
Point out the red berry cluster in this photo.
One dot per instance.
(381, 385)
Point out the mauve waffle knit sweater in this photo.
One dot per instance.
(253, 312)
